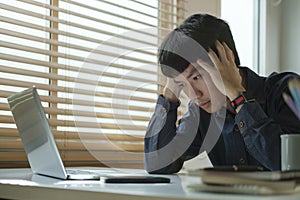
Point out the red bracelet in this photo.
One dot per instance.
(238, 101)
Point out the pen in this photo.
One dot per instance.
(294, 86)
(289, 101)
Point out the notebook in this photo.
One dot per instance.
(38, 140)
(245, 179)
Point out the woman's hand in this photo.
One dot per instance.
(225, 74)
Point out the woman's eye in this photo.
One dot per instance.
(197, 77)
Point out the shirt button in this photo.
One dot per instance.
(236, 129)
(242, 161)
(242, 124)
(164, 110)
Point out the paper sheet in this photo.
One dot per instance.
(199, 162)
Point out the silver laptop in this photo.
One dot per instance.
(38, 140)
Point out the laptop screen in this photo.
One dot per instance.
(35, 133)
(28, 120)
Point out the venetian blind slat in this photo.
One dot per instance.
(5, 94)
(60, 32)
(70, 90)
(67, 56)
(54, 19)
(72, 68)
(93, 18)
(13, 133)
(94, 65)
(53, 76)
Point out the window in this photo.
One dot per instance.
(242, 19)
(94, 64)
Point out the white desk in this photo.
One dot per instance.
(22, 184)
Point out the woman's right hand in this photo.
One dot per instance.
(172, 90)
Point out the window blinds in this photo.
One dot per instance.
(95, 67)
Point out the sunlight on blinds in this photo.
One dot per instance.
(95, 67)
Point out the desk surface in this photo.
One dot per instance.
(22, 184)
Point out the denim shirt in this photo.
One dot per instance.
(251, 137)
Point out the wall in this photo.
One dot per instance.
(212, 7)
(290, 40)
(280, 28)
(270, 36)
